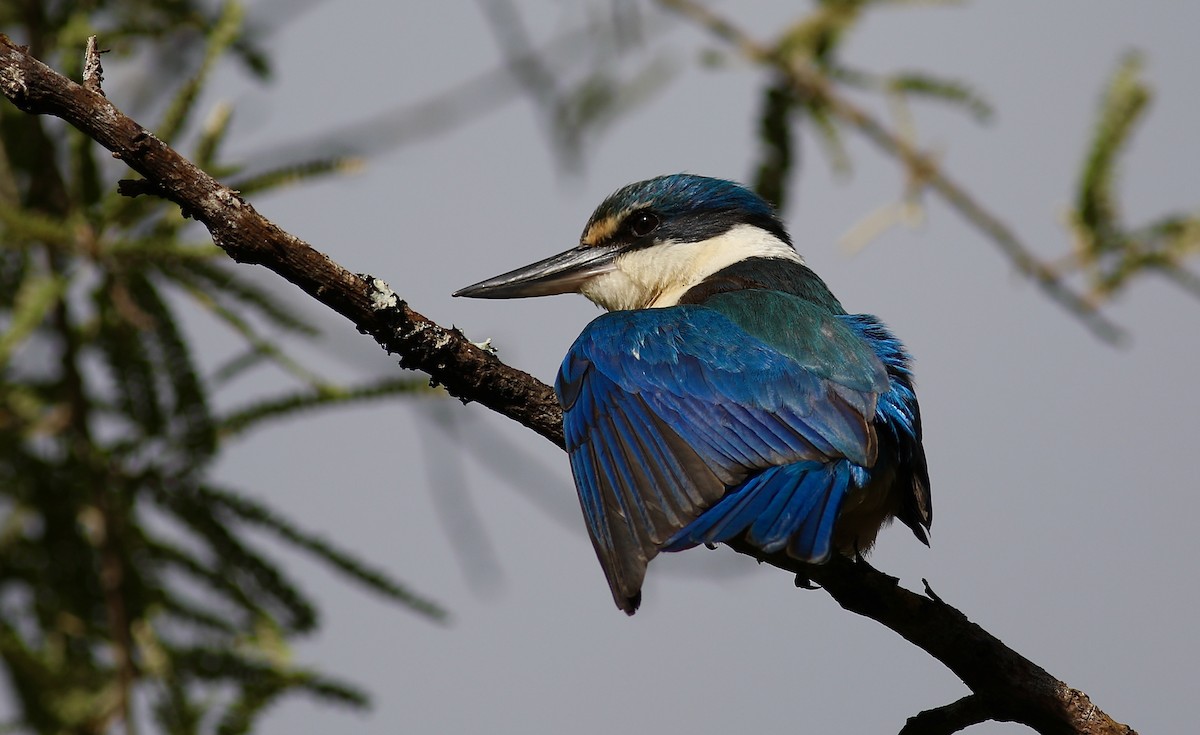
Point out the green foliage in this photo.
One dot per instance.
(123, 571)
(218, 40)
(1109, 252)
(1124, 103)
(814, 42)
(775, 137)
(919, 85)
(32, 301)
(806, 86)
(321, 396)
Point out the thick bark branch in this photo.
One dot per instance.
(1006, 685)
(970, 710)
(1011, 687)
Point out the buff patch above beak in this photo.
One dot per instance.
(601, 230)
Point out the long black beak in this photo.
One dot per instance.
(562, 273)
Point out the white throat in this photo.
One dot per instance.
(661, 274)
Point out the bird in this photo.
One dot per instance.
(725, 394)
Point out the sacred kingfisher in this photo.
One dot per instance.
(726, 393)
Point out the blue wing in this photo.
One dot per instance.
(697, 423)
(899, 418)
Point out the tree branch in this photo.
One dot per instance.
(970, 710)
(1009, 685)
(93, 72)
(468, 372)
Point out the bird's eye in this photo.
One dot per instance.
(643, 223)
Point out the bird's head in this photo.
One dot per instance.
(649, 242)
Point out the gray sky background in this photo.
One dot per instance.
(1063, 469)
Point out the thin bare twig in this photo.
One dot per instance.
(922, 169)
(93, 72)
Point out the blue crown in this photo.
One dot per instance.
(685, 193)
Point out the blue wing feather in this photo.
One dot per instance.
(812, 541)
(796, 502)
(899, 419)
(683, 427)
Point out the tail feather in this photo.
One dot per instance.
(813, 540)
(809, 495)
(794, 505)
